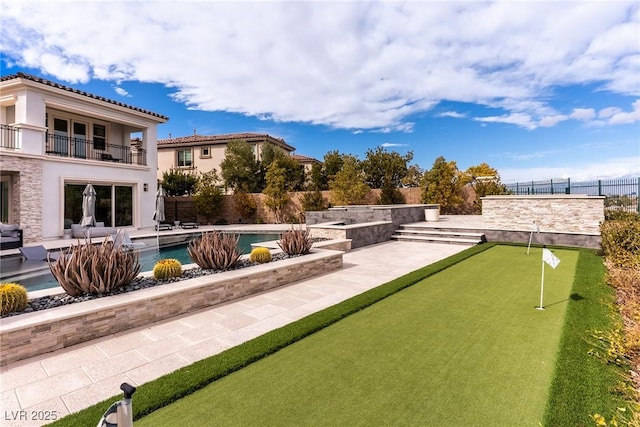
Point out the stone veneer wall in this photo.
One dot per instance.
(360, 234)
(566, 213)
(36, 333)
(397, 214)
(26, 175)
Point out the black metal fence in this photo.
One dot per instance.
(9, 136)
(620, 194)
(65, 146)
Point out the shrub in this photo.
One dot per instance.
(215, 251)
(296, 242)
(13, 297)
(94, 269)
(313, 201)
(260, 255)
(621, 242)
(167, 268)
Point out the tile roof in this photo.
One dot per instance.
(302, 158)
(221, 139)
(21, 75)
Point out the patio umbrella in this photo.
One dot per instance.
(158, 214)
(88, 206)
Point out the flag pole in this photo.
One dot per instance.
(541, 306)
(530, 238)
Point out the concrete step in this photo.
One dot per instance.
(405, 231)
(436, 239)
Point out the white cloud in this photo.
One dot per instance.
(583, 114)
(120, 91)
(453, 114)
(393, 144)
(353, 65)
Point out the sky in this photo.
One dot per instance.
(537, 90)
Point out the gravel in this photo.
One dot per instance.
(52, 301)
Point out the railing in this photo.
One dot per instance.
(620, 194)
(9, 136)
(81, 148)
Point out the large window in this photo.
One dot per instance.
(114, 204)
(185, 159)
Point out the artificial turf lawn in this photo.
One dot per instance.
(462, 347)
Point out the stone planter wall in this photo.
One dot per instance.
(360, 234)
(36, 333)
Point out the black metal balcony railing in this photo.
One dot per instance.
(9, 137)
(65, 146)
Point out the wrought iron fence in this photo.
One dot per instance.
(9, 136)
(620, 194)
(86, 149)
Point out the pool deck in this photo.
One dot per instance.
(74, 378)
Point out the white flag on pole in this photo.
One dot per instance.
(550, 258)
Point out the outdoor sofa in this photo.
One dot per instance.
(10, 236)
(80, 231)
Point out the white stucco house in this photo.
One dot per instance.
(54, 140)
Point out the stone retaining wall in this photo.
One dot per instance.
(360, 234)
(36, 333)
(565, 213)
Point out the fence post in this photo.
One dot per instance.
(638, 196)
(551, 180)
(599, 187)
(568, 185)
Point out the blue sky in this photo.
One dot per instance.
(537, 90)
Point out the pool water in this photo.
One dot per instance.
(43, 279)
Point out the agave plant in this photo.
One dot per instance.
(296, 242)
(215, 250)
(94, 269)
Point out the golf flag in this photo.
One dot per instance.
(550, 258)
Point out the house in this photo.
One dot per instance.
(206, 152)
(54, 140)
(306, 162)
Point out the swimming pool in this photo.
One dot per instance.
(42, 278)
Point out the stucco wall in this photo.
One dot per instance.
(565, 213)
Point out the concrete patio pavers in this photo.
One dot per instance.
(69, 380)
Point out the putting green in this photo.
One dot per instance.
(463, 347)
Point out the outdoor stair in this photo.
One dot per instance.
(437, 235)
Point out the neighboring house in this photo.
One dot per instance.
(54, 140)
(206, 152)
(306, 162)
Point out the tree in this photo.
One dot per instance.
(333, 161)
(443, 185)
(239, 169)
(276, 195)
(485, 181)
(313, 201)
(390, 195)
(348, 186)
(318, 177)
(179, 183)
(380, 165)
(208, 197)
(413, 178)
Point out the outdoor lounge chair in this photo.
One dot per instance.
(188, 225)
(164, 226)
(37, 253)
(123, 239)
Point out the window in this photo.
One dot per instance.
(205, 152)
(184, 159)
(114, 204)
(99, 137)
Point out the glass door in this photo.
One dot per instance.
(60, 136)
(79, 139)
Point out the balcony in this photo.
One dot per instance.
(9, 137)
(81, 148)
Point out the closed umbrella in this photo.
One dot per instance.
(88, 206)
(158, 214)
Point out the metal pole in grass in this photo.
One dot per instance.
(536, 229)
(547, 258)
